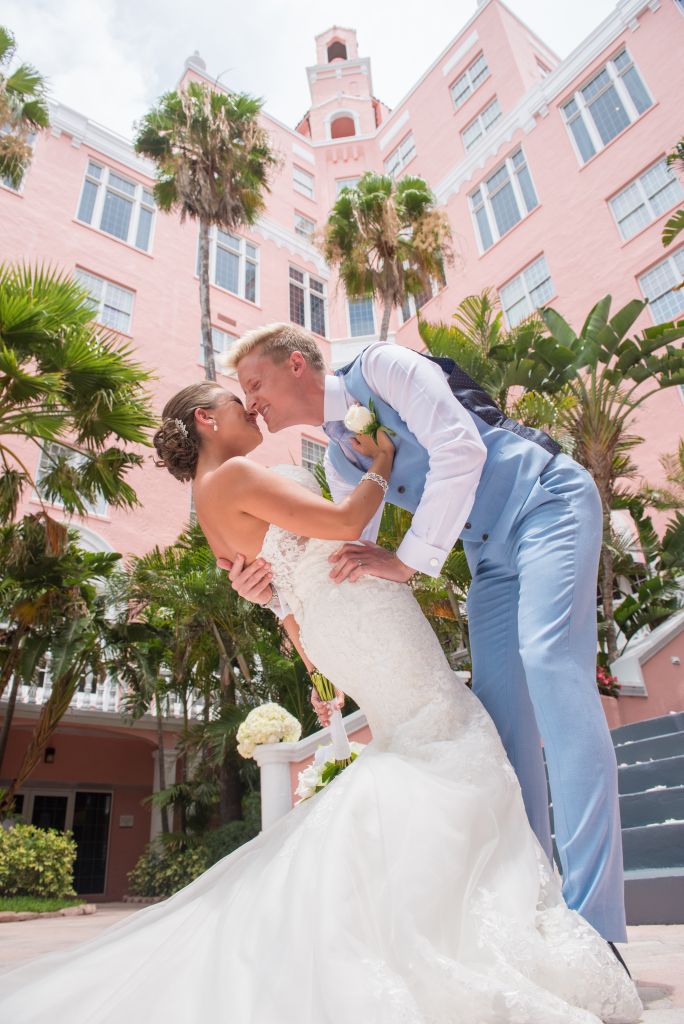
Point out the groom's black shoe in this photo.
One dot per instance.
(618, 957)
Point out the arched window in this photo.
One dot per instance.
(342, 127)
(337, 51)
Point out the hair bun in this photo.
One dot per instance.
(177, 448)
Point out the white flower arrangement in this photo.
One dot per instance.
(362, 420)
(269, 723)
(322, 770)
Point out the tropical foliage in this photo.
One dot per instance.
(36, 862)
(387, 241)
(23, 111)
(213, 162)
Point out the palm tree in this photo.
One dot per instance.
(49, 604)
(23, 111)
(213, 161)
(387, 240)
(608, 376)
(71, 388)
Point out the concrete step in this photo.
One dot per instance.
(654, 846)
(655, 896)
(649, 727)
(652, 748)
(656, 805)
(637, 778)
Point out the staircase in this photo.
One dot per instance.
(650, 756)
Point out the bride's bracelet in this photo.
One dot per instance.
(377, 479)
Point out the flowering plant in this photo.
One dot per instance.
(362, 420)
(607, 684)
(268, 723)
(323, 770)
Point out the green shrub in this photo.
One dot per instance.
(36, 862)
(163, 870)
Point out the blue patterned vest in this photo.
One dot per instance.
(516, 455)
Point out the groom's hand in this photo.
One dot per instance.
(254, 582)
(354, 560)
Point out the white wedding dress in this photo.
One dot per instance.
(409, 891)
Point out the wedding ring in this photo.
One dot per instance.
(358, 562)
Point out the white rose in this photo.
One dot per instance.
(358, 418)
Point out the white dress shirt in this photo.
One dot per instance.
(417, 389)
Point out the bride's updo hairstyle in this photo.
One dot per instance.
(177, 441)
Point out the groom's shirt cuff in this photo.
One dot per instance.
(414, 552)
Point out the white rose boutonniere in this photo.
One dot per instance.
(362, 420)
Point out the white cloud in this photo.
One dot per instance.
(111, 59)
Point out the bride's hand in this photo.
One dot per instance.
(365, 445)
(321, 708)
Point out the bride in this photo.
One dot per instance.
(409, 891)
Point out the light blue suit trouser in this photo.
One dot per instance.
(532, 615)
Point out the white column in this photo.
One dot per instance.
(276, 789)
(170, 758)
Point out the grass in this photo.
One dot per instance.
(38, 904)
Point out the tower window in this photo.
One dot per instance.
(342, 127)
(337, 51)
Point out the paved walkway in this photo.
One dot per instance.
(655, 953)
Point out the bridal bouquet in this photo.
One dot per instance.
(268, 723)
(338, 733)
(323, 770)
(362, 420)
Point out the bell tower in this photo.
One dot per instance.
(342, 101)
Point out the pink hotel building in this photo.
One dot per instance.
(554, 178)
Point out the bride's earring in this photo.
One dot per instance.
(215, 424)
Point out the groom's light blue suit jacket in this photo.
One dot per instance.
(516, 455)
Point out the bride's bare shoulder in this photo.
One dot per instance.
(236, 472)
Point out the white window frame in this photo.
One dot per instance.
(140, 199)
(645, 199)
(522, 279)
(350, 303)
(480, 123)
(99, 509)
(401, 156)
(486, 199)
(310, 448)
(585, 114)
(246, 251)
(99, 301)
(341, 183)
(305, 286)
(677, 274)
(473, 82)
(299, 220)
(409, 308)
(303, 182)
(225, 340)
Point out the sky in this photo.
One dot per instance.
(111, 59)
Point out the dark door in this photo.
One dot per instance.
(91, 832)
(49, 811)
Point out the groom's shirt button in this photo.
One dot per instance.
(485, 536)
(434, 563)
(467, 526)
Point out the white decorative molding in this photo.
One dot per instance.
(303, 153)
(628, 667)
(540, 97)
(341, 112)
(108, 143)
(396, 127)
(458, 54)
(295, 244)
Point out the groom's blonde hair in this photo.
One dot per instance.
(277, 341)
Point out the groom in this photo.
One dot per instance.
(531, 525)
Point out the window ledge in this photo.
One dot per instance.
(616, 138)
(226, 291)
(510, 231)
(112, 238)
(537, 309)
(102, 517)
(652, 223)
(18, 192)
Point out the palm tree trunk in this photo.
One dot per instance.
(384, 326)
(205, 308)
(163, 811)
(11, 659)
(9, 715)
